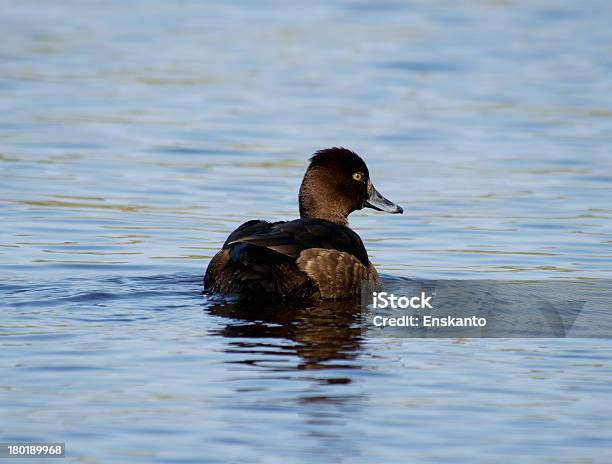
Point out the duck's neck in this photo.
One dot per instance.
(318, 202)
(330, 216)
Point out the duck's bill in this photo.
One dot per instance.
(379, 203)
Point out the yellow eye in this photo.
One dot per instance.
(358, 176)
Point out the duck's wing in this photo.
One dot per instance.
(337, 274)
(247, 229)
(288, 257)
(331, 255)
(219, 261)
(246, 265)
(294, 237)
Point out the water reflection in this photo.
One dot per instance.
(313, 347)
(325, 334)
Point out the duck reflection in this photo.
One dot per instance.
(311, 349)
(324, 334)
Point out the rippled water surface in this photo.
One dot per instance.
(134, 136)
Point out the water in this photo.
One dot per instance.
(134, 136)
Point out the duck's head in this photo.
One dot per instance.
(337, 182)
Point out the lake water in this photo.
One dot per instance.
(134, 136)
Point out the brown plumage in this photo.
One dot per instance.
(337, 274)
(317, 256)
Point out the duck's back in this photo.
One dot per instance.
(300, 258)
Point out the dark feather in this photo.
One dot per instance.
(291, 238)
(259, 258)
(340, 157)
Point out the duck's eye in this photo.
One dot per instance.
(358, 176)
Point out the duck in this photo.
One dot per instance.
(317, 256)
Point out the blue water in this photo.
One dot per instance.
(134, 136)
